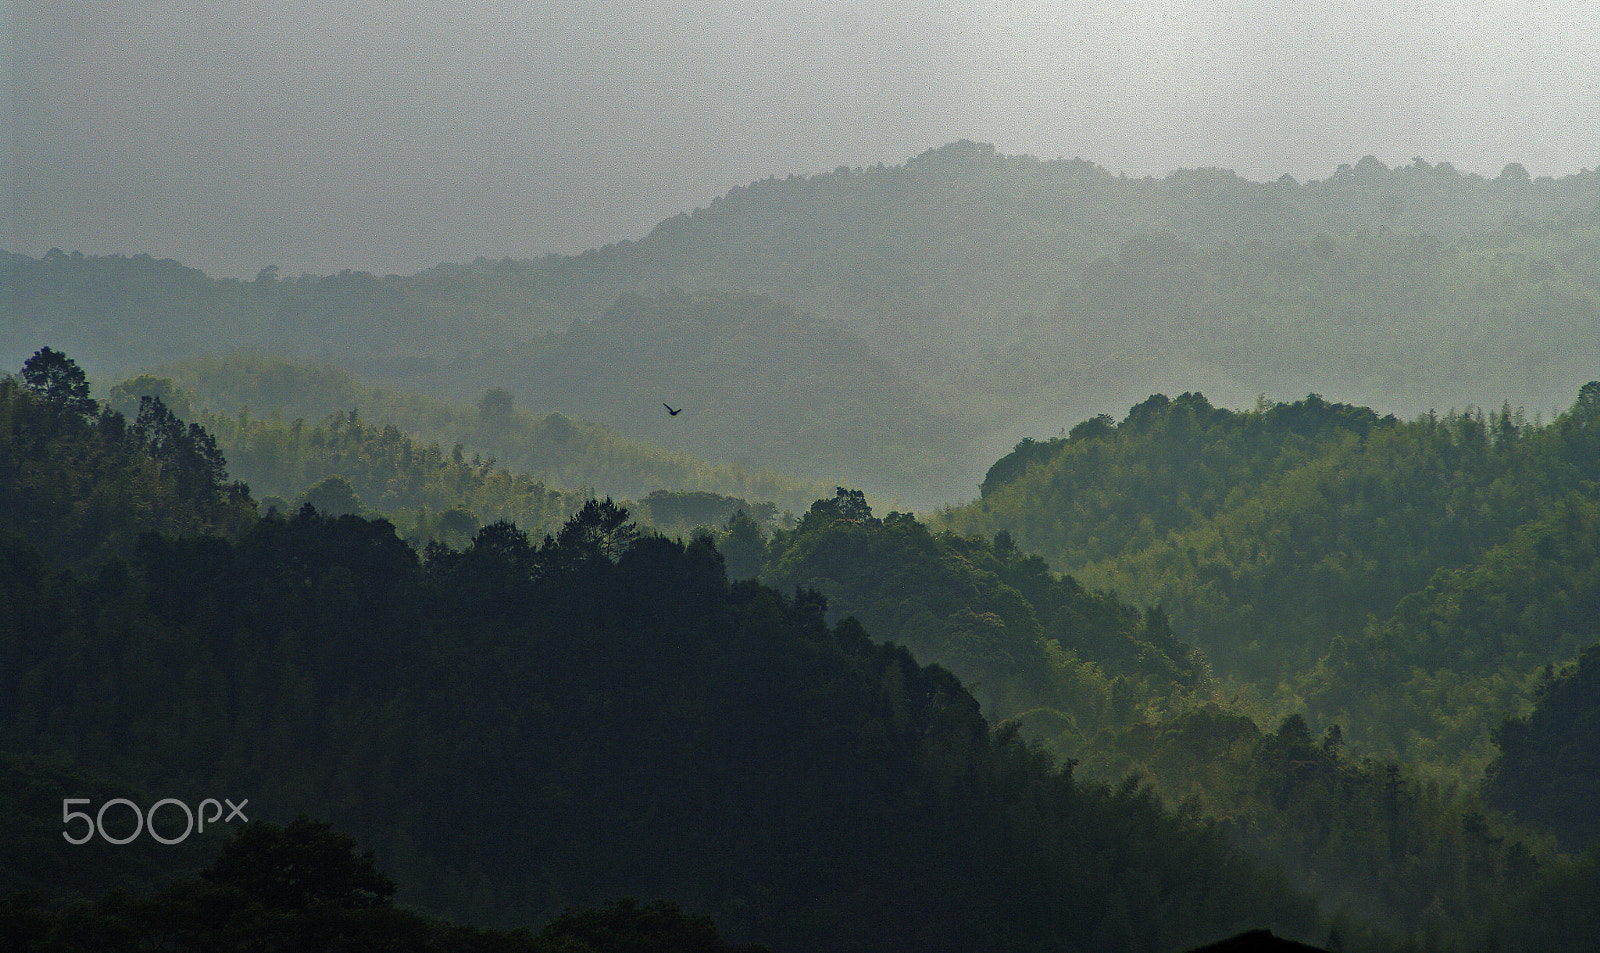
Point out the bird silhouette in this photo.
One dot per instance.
(672, 412)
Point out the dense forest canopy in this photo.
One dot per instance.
(320, 689)
(518, 726)
(1032, 645)
(81, 482)
(1407, 580)
(1388, 734)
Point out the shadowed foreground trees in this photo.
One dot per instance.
(1548, 770)
(598, 716)
(304, 887)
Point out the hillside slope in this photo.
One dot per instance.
(1407, 579)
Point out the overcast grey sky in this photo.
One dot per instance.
(389, 135)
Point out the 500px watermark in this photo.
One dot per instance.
(146, 820)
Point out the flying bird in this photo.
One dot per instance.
(671, 412)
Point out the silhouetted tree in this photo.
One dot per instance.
(58, 379)
(600, 530)
(334, 496)
(300, 866)
(845, 505)
(191, 452)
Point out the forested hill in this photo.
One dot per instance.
(1413, 590)
(980, 296)
(1028, 643)
(964, 235)
(1279, 536)
(519, 726)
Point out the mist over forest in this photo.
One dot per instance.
(974, 552)
(899, 327)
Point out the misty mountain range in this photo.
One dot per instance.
(896, 327)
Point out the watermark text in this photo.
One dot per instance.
(145, 821)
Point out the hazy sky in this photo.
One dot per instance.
(388, 135)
